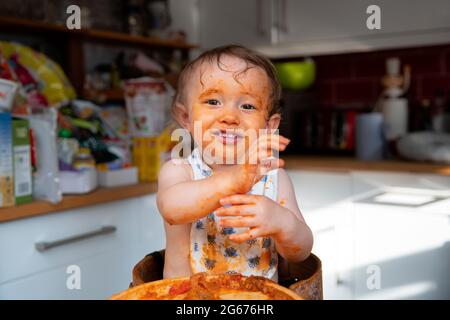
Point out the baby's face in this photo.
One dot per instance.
(226, 103)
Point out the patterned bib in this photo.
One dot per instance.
(212, 251)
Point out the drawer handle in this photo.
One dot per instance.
(43, 246)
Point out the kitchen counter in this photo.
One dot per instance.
(98, 196)
(314, 163)
(352, 164)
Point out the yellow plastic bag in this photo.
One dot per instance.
(52, 81)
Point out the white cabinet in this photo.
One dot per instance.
(323, 20)
(331, 229)
(100, 277)
(18, 238)
(105, 260)
(283, 28)
(322, 198)
(303, 20)
(317, 189)
(234, 21)
(409, 246)
(324, 26)
(406, 248)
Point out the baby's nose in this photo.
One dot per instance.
(230, 117)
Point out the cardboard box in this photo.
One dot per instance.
(22, 162)
(118, 177)
(6, 161)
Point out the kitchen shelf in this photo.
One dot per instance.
(118, 94)
(351, 164)
(92, 35)
(101, 96)
(98, 196)
(71, 43)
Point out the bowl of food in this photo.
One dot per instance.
(203, 286)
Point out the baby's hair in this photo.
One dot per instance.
(252, 58)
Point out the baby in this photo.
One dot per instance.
(223, 212)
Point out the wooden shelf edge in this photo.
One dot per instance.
(92, 34)
(351, 164)
(98, 196)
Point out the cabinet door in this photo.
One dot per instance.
(323, 199)
(20, 258)
(151, 235)
(400, 252)
(303, 20)
(234, 21)
(100, 277)
(408, 251)
(331, 230)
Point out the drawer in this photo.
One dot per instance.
(100, 277)
(20, 258)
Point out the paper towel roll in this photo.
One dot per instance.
(369, 136)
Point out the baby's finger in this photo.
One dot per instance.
(245, 236)
(237, 222)
(284, 140)
(237, 199)
(242, 210)
(272, 143)
(268, 165)
(277, 138)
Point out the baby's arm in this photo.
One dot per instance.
(295, 241)
(183, 200)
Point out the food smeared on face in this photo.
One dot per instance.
(228, 100)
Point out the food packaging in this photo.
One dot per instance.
(46, 183)
(6, 161)
(147, 102)
(118, 177)
(8, 91)
(78, 182)
(22, 162)
(150, 153)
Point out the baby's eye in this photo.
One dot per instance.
(212, 102)
(248, 107)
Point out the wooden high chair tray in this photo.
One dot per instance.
(202, 286)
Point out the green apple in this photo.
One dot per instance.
(296, 75)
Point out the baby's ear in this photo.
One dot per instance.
(274, 121)
(181, 114)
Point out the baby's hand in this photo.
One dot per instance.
(257, 161)
(262, 215)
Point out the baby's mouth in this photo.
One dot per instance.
(227, 136)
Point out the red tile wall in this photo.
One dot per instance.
(355, 79)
